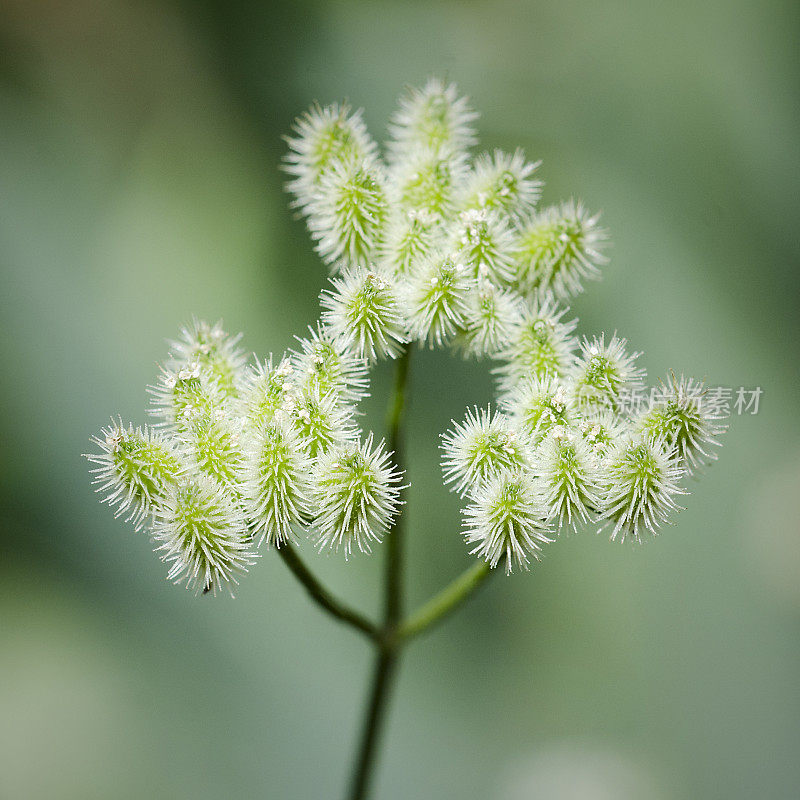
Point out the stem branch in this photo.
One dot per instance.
(445, 602)
(323, 597)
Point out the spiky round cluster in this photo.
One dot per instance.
(430, 246)
(356, 496)
(253, 453)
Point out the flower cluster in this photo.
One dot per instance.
(424, 245)
(244, 455)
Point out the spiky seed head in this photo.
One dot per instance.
(135, 468)
(213, 444)
(202, 535)
(183, 394)
(320, 420)
(436, 298)
(507, 516)
(558, 248)
(356, 494)
(428, 181)
(324, 363)
(430, 118)
(541, 343)
(640, 478)
(216, 352)
(479, 447)
(484, 240)
(602, 372)
(602, 429)
(276, 485)
(502, 182)
(684, 422)
(362, 313)
(492, 314)
(347, 213)
(570, 476)
(409, 236)
(267, 386)
(536, 405)
(322, 137)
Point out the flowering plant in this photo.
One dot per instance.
(423, 247)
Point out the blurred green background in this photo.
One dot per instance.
(139, 185)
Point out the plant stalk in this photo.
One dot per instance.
(444, 603)
(388, 648)
(323, 597)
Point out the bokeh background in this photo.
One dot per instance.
(139, 185)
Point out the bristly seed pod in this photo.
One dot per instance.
(216, 353)
(347, 214)
(641, 483)
(540, 344)
(323, 136)
(507, 517)
(602, 429)
(363, 314)
(484, 241)
(602, 372)
(276, 484)
(428, 181)
(558, 248)
(481, 446)
(682, 419)
(324, 363)
(430, 118)
(320, 420)
(356, 496)
(502, 182)
(537, 405)
(202, 535)
(568, 470)
(492, 313)
(409, 236)
(266, 389)
(135, 469)
(436, 299)
(213, 443)
(184, 394)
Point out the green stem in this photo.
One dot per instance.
(383, 674)
(393, 610)
(445, 602)
(323, 597)
(386, 662)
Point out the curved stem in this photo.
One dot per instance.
(323, 597)
(386, 663)
(445, 602)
